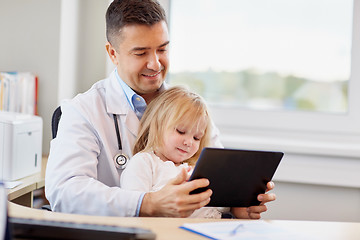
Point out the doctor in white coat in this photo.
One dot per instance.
(82, 175)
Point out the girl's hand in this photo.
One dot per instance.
(254, 212)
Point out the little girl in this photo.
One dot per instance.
(173, 130)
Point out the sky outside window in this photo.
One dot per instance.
(309, 39)
(303, 37)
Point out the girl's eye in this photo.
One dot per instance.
(196, 139)
(180, 132)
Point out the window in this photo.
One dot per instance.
(279, 54)
(271, 67)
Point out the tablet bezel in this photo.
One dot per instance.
(236, 176)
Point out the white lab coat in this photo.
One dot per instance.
(81, 176)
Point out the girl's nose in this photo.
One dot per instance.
(188, 142)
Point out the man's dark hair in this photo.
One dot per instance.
(126, 12)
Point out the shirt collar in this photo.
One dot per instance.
(129, 93)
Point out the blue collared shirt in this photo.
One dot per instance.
(129, 93)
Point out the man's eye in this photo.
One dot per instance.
(140, 54)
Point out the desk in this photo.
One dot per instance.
(23, 194)
(168, 228)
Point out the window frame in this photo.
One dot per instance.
(297, 131)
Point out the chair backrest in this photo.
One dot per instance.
(54, 127)
(55, 121)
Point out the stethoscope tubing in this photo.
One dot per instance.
(120, 159)
(117, 132)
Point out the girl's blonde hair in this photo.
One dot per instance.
(171, 108)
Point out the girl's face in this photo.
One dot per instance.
(181, 142)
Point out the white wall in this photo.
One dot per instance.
(296, 201)
(31, 42)
(310, 187)
(92, 52)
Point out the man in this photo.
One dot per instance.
(98, 128)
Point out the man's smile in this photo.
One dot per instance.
(154, 75)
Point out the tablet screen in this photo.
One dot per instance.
(236, 176)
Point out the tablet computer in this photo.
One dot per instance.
(236, 176)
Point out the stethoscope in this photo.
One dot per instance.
(120, 159)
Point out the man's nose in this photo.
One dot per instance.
(154, 62)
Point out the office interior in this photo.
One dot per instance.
(63, 42)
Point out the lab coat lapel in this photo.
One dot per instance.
(117, 103)
(132, 122)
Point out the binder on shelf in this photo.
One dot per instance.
(18, 92)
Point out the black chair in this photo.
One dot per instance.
(54, 127)
(55, 121)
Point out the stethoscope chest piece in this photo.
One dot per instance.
(120, 161)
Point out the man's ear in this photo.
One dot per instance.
(112, 53)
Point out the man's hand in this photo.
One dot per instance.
(174, 200)
(254, 212)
